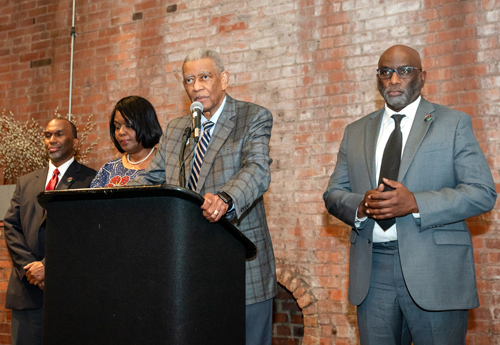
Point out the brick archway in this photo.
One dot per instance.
(301, 291)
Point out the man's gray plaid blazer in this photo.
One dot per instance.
(237, 162)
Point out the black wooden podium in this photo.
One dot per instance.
(141, 265)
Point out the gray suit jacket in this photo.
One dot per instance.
(444, 167)
(237, 162)
(25, 230)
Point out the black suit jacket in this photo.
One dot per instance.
(25, 230)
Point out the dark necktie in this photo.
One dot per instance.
(53, 181)
(391, 160)
(201, 149)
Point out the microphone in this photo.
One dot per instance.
(196, 110)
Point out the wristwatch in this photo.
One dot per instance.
(226, 198)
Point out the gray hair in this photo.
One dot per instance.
(203, 53)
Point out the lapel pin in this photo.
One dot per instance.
(428, 118)
(70, 179)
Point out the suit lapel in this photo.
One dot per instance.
(70, 176)
(222, 130)
(371, 134)
(41, 178)
(417, 133)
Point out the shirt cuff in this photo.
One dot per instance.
(359, 221)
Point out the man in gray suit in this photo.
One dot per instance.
(407, 176)
(230, 169)
(25, 229)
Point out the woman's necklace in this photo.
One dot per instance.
(139, 162)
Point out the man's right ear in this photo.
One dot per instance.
(76, 143)
(225, 79)
(423, 76)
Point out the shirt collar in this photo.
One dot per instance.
(216, 116)
(62, 168)
(410, 110)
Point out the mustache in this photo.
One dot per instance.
(387, 90)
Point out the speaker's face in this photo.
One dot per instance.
(204, 84)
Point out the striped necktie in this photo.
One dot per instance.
(201, 149)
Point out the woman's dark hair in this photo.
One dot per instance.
(141, 117)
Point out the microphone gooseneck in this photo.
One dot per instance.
(196, 111)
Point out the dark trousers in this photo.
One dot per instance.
(388, 315)
(259, 323)
(26, 327)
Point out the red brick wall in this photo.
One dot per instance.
(288, 321)
(312, 63)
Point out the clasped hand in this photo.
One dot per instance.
(378, 204)
(35, 273)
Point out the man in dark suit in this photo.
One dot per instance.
(25, 229)
(231, 171)
(407, 176)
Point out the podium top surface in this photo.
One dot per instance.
(163, 190)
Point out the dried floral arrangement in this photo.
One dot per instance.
(22, 148)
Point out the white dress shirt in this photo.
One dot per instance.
(62, 170)
(386, 129)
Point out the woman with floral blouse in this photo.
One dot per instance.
(135, 131)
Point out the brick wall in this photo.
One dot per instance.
(311, 62)
(288, 322)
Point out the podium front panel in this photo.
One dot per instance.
(148, 270)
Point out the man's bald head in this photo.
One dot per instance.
(403, 53)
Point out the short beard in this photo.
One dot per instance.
(413, 89)
(55, 154)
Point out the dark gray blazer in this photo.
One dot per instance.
(25, 230)
(237, 162)
(444, 167)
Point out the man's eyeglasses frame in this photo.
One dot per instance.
(399, 72)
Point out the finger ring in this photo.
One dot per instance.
(216, 212)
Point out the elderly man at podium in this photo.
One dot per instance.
(228, 163)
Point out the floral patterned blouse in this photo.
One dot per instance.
(114, 174)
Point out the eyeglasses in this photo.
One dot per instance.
(403, 72)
